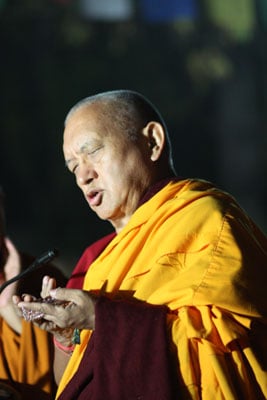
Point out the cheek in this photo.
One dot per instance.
(122, 171)
(117, 180)
(112, 167)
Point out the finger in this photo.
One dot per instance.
(46, 325)
(47, 285)
(16, 299)
(34, 310)
(52, 320)
(71, 295)
(27, 298)
(52, 284)
(30, 315)
(44, 316)
(44, 290)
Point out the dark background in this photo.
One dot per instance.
(207, 77)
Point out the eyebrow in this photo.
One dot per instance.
(82, 149)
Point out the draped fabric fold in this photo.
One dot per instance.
(111, 368)
(25, 361)
(192, 249)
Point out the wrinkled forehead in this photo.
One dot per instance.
(84, 130)
(94, 113)
(93, 121)
(88, 118)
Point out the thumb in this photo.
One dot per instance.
(65, 294)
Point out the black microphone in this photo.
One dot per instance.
(38, 262)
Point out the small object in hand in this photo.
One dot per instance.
(31, 315)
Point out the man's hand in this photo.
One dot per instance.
(65, 310)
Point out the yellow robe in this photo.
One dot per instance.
(193, 249)
(26, 360)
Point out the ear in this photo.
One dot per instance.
(155, 136)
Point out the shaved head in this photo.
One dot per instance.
(126, 110)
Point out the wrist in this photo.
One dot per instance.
(68, 349)
(64, 337)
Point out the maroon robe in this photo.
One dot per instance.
(132, 363)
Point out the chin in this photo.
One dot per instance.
(104, 216)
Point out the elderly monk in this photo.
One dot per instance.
(26, 351)
(172, 304)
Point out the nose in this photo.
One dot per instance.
(85, 174)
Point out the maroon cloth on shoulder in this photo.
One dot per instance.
(128, 356)
(88, 256)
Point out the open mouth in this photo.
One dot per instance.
(94, 198)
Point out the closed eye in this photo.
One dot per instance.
(73, 169)
(94, 151)
(71, 165)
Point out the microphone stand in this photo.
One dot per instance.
(38, 262)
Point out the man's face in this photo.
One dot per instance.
(112, 171)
